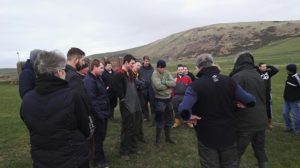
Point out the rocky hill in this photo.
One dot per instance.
(218, 39)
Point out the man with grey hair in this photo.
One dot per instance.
(56, 117)
(28, 76)
(209, 106)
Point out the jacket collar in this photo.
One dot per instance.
(208, 71)
(46, 84)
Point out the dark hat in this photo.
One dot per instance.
(292, 68)
(161, 64)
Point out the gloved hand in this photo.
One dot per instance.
(164, 82)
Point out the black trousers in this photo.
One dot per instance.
(257, 140)
(225, 157)
(145, 105)
(99, 136)
(128, 131)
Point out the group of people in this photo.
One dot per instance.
(66, 105)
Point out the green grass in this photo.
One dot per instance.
(282, 148)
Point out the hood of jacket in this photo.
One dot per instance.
(243, 61)
(27, 65)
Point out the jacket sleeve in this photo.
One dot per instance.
(26, 82)
(85, 125)
(244, 97)
(272, 70)
(76, 84)
(156, 83)
(117, 85)
(185, 107)
(170, 82)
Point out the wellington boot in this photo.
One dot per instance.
(263, 165)
(157, 138)
(177, 122)
(168, 136)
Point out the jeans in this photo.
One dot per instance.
(257, 139)
(225, 157)
(294, 107)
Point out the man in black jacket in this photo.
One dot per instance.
(56, 117)
(107, 78)
(75, 61)
(292, 99)
(147, 92)
(267, 72)
(212, 98)
(75, 58)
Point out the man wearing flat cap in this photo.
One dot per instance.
(162, 82)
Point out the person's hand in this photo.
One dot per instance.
(193, 120)
(164, 82)
(240, 105)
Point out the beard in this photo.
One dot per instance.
(78, 66)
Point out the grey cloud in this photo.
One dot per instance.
(104, 26)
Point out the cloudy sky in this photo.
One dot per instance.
(98, 26)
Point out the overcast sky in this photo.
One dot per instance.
(98, 26)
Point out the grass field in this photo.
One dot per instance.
(283, 149)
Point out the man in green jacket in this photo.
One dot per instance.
(251, 122)
(162, 82)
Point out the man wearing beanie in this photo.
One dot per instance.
(292, 99)
(28, 76)
(162, 82)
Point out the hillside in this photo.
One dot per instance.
(218, 39)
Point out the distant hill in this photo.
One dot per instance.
(218, 39)
(8, 74)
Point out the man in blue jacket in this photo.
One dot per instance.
(27, 77)
(213, 98)
(100, 108)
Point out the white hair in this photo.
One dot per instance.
(204, 60)
(48, 62)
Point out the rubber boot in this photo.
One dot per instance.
(168, 136)
(263, 164)
(157, 139)
(177, 122)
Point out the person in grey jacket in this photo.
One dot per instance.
(124, 87)
(251, 122)
(162, 82)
